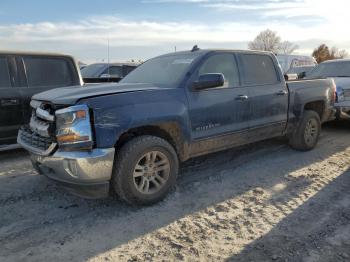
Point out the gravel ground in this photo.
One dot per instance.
(263, 202)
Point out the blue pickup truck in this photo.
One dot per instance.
(130, 137)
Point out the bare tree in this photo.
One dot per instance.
(268, 40)
(287, 47)
(338, 54)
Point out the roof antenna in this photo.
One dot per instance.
(195, 48)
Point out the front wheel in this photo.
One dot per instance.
(145, 170)
(306, 135)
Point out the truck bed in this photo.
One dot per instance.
(303, 91)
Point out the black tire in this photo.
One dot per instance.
(299, 139)
(127, 159)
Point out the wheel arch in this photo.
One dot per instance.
(169, 131)
(317, 106)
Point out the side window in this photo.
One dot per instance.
(47, 72)
(115, 71)
(224, 64)
(128, 69)
(5, 81)
(258, 70)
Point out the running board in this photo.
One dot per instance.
(9, 147)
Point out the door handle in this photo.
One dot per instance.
(281, 93)
(242, 97)
(9, 102)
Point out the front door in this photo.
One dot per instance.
(218, 116)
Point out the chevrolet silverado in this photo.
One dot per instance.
(129, 137)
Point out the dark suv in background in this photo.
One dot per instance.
(106, 72)
(21, 76)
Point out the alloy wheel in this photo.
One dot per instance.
(151, 172)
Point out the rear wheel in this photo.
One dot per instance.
(145, 170)
(306, 135)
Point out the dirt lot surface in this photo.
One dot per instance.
(263, 202)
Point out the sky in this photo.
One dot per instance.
(147, 28)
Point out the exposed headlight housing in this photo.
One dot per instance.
(73, 127)
(340, 94)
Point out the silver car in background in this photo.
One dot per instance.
(339, 70)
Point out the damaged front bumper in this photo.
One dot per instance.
(343, 110)
(85, 173)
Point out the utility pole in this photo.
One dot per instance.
(108, 61)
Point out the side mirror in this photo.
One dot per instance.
(209, 81)
(301, 75)
(290, 77)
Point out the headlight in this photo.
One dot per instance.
(73, 127)
(340, 94)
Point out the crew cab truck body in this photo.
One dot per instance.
(130, 137)
(23, 74)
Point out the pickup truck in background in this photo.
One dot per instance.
(288, 62)
(339, 71)
(21, 76)
(130, 137)
(106, 72)
(300, 71)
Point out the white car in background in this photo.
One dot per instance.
(339, 70)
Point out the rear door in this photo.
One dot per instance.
(11, 117)
(43, 73)
(268, 95)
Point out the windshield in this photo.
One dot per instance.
(92, 70)
(332, 69)
(163, 71)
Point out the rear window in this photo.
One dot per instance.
(258, 70)
(48, 72)
(5, 81)
(93, 70)
(114, 71)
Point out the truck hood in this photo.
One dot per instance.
(70, 95)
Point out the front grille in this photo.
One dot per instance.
(42, 121)
(39, 126)
(34, 140)
(39, 136)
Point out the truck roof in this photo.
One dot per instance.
(118, 64)
(336, 61)
(15, 52)
(204, 51)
